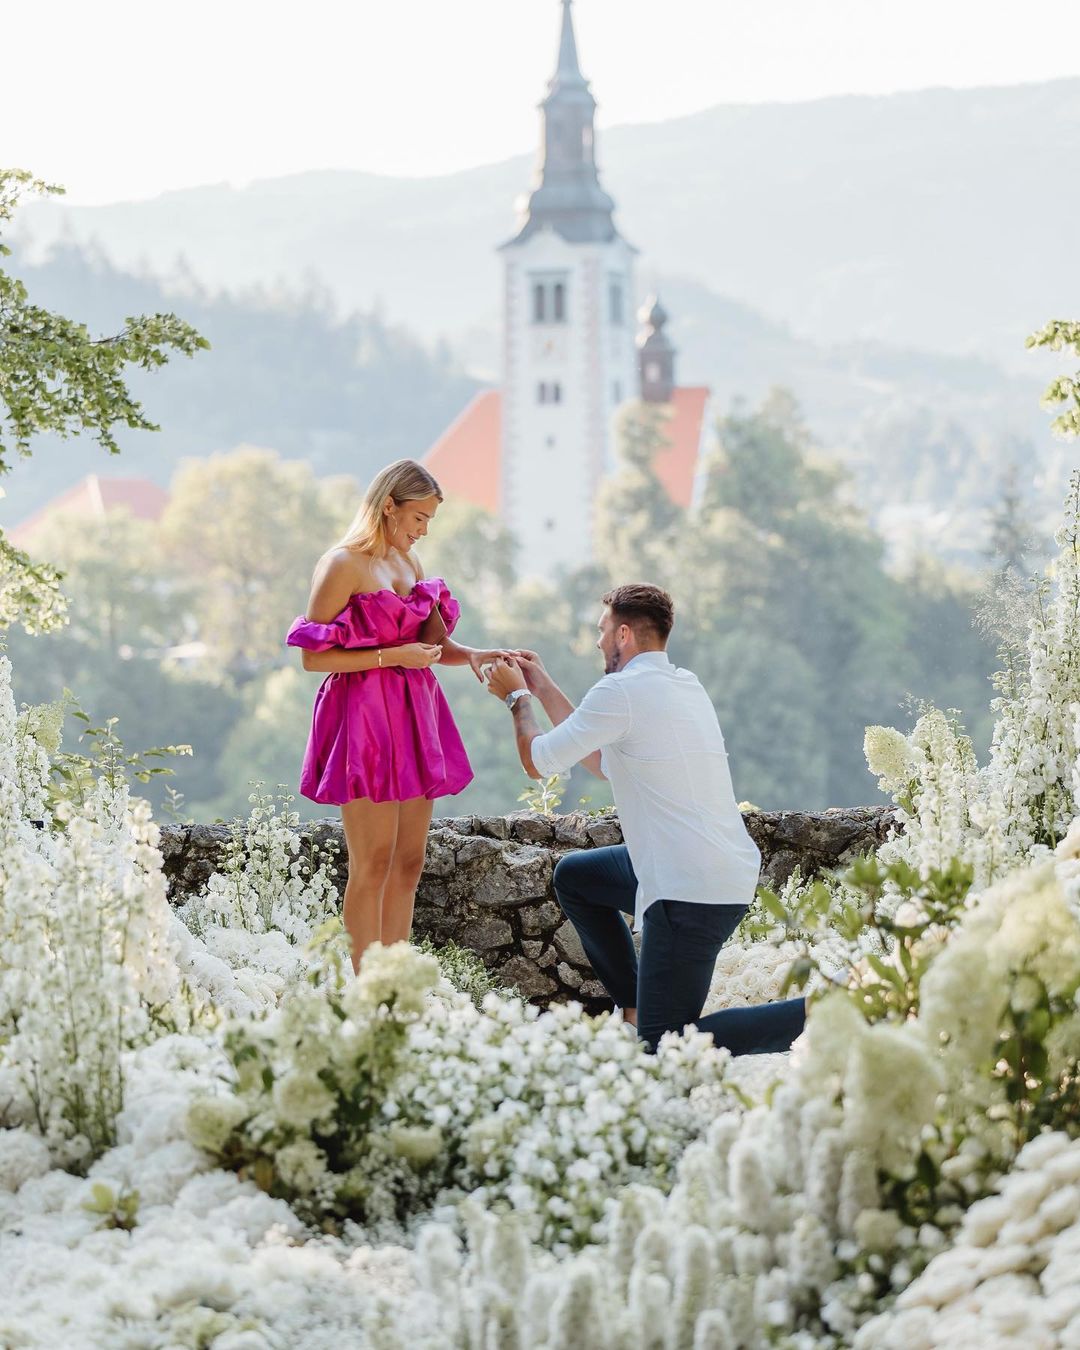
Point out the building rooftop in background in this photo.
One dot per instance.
(466, 460)
(92, 499)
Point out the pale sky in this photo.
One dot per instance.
(128, 98)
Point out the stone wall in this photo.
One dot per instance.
(487, 880)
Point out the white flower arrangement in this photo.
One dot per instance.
(908, 1179)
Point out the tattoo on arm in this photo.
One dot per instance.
(526, 728)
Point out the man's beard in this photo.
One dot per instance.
(611, 663)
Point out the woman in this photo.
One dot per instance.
(383, 744)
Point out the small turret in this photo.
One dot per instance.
(656, 355)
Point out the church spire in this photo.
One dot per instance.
(568, 71)
(568, 197)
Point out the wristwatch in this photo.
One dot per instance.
(513, 696)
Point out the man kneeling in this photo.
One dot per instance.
(688, 868)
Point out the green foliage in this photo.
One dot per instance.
(786, 610)
(1061, 335)
(53, 375)
(544, 795)
(74, 775)
(56, 378)
(118, 1209)
(465, 970)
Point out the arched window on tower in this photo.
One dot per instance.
(556, 392)
(538, 302)
(615, 303)
(559, 302)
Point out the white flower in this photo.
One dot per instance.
(416, 1143)
(300, 1098)
(210, 1121)
(301, 1165)
(889, 755)
(23, 1155)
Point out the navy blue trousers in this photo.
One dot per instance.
(680, 941)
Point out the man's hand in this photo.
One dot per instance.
(536, 677)
(505, 676)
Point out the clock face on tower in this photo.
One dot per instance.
(549, 347)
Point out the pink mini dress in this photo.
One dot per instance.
(388, 734)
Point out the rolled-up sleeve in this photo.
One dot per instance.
(602, 718)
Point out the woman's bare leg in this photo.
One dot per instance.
(371, 830)
(405, 868)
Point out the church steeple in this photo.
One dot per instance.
(568, 196)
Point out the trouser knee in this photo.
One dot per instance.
(567, 880)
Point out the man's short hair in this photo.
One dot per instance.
(643, 608)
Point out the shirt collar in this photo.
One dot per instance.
(658, 659)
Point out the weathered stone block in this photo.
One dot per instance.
(569, 976)
(477, 847)
(521, 972)
(572, 830)
(542, 918)
(439, 859)
(568, 945)
(604, 831)
(530, 829)
(486, 933)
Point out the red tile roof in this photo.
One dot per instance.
(467, 458)
(92, 499)
(677, 466)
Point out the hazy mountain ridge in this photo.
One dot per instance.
(853, 218)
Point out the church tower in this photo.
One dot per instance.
(569, 352)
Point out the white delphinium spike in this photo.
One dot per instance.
(694, 1275)
(858, 1189)
(694, 1196)
(652, 1250)
(713, 1331)
(635, 1207)
(536, 1299)
(439, 1261)
(749, 1184)
(811, 1261)
(650, 1308)
(773, 1311)
(823, 1171)
(505, 1257)
(578, 1319)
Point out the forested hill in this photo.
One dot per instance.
(857, 218)
(346, 394)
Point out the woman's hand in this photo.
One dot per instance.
(413, 655)
(479, 658)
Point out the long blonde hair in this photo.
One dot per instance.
(404, 481)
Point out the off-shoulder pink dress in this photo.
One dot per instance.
(388, 734)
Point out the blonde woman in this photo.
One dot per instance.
(383, 744)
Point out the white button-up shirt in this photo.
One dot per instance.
(663, 753)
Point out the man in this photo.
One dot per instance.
(688, 868)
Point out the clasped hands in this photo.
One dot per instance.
(519, 669)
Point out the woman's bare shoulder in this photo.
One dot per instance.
(344, 564)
